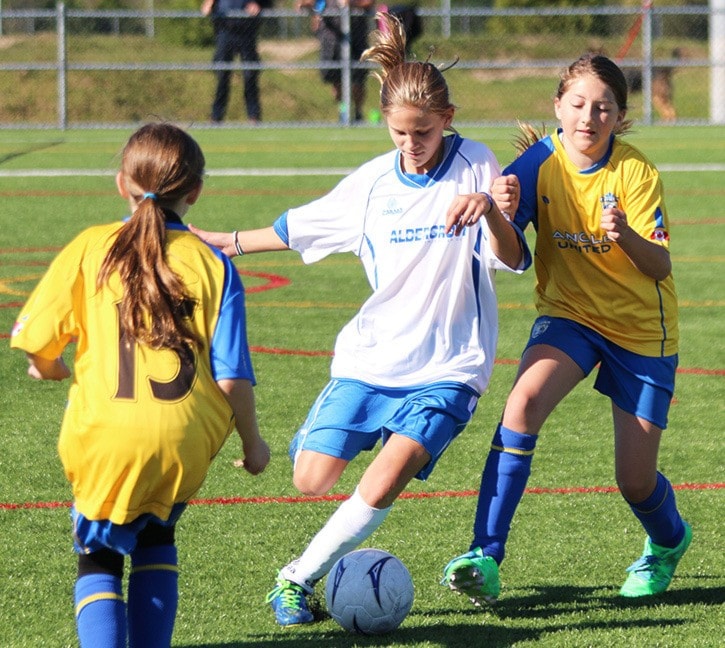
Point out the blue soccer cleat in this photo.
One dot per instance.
(289, 602)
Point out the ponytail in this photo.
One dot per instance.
(167, 164)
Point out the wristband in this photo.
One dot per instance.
(237, 247)
(490, 203)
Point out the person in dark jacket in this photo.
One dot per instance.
(235, 34)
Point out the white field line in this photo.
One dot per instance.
(60, 173)
(331, 171)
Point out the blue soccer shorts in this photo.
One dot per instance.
(640, 385)
(94, 535)
(350, 417)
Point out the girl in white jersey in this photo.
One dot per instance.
(410, 366)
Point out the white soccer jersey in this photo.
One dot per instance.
(432, 315)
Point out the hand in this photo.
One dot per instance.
(614, 223)
(649, 257)
(223, 241)
(206, 7)
(34, 372)
(252, 8)
(256, 456)
(506, 191)
(42, 369)
(466, 211)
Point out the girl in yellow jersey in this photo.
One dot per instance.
(605, 297)
(162, 375)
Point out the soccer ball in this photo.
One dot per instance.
(369, 591)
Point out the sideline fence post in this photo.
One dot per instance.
(62, 66)
(345, 53)
(151, 19)
(647, 63)
(717, 61)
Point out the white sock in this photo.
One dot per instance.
(350, 525)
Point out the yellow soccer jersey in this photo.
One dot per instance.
(582, 275)
(141, 426)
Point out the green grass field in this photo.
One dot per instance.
(572, 537)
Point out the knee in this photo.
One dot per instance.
(525, 411)
(154, 535)
(312, 484)
(636, 488)
(103, 561)
(316, 473)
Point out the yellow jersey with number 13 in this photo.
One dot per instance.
(141, 426)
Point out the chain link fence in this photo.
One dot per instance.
(70, 67)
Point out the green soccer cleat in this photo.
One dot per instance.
(474, 575)
(653, 572)
(289, 602)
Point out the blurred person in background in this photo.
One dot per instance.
(328, 30)
(235, 35)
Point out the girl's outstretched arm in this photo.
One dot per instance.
(249, 241)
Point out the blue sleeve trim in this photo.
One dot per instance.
(229, 352)
(524, 246)
(280, 228)
(527, 167)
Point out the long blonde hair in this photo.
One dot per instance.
(164, 164)
(415, 84)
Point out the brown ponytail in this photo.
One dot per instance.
(166, 164)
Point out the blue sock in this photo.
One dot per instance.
(100, 611)
(504, 478)
(153, 596)
(659, 515)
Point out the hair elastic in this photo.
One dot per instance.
(150, 195)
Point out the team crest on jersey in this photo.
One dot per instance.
(609, 200)
(18, 326)
(392, 208)
(660, 235)
(540, 327)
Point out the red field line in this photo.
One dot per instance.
(276, 351)
(701, 372)
(499, 361)
(306, 499)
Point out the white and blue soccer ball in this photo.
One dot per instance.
(369, 591)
